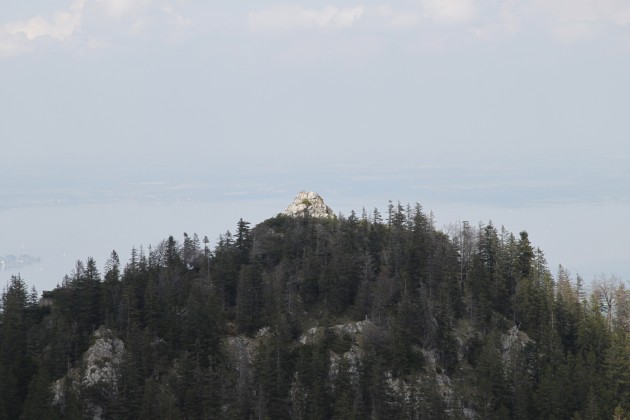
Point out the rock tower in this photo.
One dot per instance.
(309, 203)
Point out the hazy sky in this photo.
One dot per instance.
(504, 104)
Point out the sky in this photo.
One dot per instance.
(513, 111)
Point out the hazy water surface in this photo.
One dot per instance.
(586, 239)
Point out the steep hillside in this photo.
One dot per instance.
(367, 317)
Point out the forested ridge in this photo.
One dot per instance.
(370, 316)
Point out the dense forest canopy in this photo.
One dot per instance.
(366, 316)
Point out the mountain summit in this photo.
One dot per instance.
(311, 203)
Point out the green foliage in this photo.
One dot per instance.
(349, 317)
(16, 368)
(37, 403)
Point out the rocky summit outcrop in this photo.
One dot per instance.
(309, 203)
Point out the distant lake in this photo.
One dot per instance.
(60, 235)
(585, 238)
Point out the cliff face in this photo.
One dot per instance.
(95, 381)
(309, 203)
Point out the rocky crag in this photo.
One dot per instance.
(309, 203)
(95, 381)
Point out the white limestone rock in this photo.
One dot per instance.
(513, 343)
(309, 203)
(102, 361)
(96, 379)
(352, 328)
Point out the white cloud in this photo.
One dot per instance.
(346, 17)
(577, 20)
(92, 24)
(123, 8)
(60, 27)
(449, 11)
(16, 37)
(179, 20)
(394, 19)
(614, 11)
(10, 47)
(507, 22)
(282, 18)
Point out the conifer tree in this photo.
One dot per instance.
(15, 366)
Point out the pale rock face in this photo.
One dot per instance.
(102, 361)
(352, 329)
(97, 375)
(513, 342)
(309, 203)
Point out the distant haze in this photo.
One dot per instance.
(124, 121)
